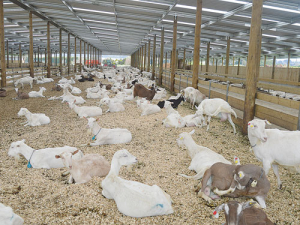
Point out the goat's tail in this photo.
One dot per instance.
(195, 177)
(234, 113)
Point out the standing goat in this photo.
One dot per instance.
(140, 91)
(274, 147)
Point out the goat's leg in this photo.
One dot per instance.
(232, 124)
(276, 172)
(224, 192)
(208, 122)
(266, 166)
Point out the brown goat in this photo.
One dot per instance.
(21, 95)
(140, 91)
(243, 213)
(2, 92)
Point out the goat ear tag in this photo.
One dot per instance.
(181, 138)
(241, 174)
(236, 161)
(29, 165)
(93, 138)
(254, 183)
(216, 214)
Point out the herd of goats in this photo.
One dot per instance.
(219, 176)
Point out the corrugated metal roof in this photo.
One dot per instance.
(122, 26)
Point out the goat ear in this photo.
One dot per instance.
(57, 156)
(192, 132)
(267, 122)
(75, 152)
(97, 119)
(216, 211)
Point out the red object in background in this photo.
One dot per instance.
(92, 62)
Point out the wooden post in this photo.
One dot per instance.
(176, 65)
(216, 65)
(232, 61)
(265, 61)
(31, 70)
(148, 62)
(153, 57)
(84, 53)
(60, 51)
(273, 68)
(227, 55)
(64, 58)
(161, 64)
(75, 69)
(222, 61)
(38, 64)
(45, 57)
(7, 55)
(20, 54)
(88, 55)
(48, 50)
(12, 55)
(166, 58)
(2, 47)
(80, 55)
(69, 53)
(238, 70)
(184, 51)
(173, 55)
(197, 44)
(253, 63)
(201, 64)
(145, 55)
(288, 64)
(142, 56)
(207, 57)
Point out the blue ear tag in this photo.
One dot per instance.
(29, 165)
(93, 138)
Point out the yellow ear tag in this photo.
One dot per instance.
(240, 174)
(251, 125)
(254, 183)
(181, 138)
(236, 161)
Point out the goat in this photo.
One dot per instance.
(133, 198)
(68, 97)
(105, 136)
(274, 147)
(112, 106)
(37, 94)
(56, 88)
(24, 80)
(82, 170)
(34, 119)
(196, 97)
(243, 213)
(175, 102)
(140, 91)
(21, 95)
(202, 158)
(85, 111)
(148, 109)
(215, 107)
(8, 217)
(235, 181)
(42, 158)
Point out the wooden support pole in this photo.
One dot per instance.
(2, 47)
(265, 60)
(253, 63)
(145, 55)
(38, 53)
(197, 44)
(176, 66)
(12, 55)
(161, 64)
(184, 52)
(153, 59)
(7, 55)
(289, 60)
(75, 54)
(45, 57)
(148, 62)
(142, 56)
(87, 55)
(207, 57)
(232, 61)
(84, 53)
(273, 67)
(166, 59)
(238, 70)
(69, 53)
(227, 55)
(60, 51)
(222, 61)
(31, 70)
(48, 50)
(80, 55)
(173, 55)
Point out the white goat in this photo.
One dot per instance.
(34, 119)
(112, 105)
(274, 147)
(85, 111)
(105, 136)
(84, 169)
(148, 109)
(192, 121)
(196, 97)
(42, 158)
(8, 217)
(133, 198)
(173, 119)
(37, 94)
(186, 92)
(213, 108)
(68, 97)
(202, 158)
(24, 80)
